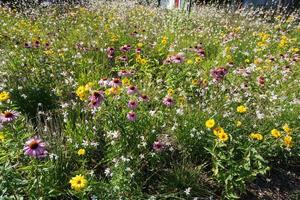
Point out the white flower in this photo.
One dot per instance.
(187, 191)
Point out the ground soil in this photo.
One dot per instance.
(280, 184)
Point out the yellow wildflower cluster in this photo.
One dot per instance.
(283, 41)
(256, 136)
(83, 91)
(164, 40)
(241, 109)
(4, 96)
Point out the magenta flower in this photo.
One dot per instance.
(138, 50)
(104, 82)
(261, 80)
(144, 98)
(116, 82)
(96, 99)
(110, 52)
(219, 73)
(158, 146)
(178, 58)
(132, 104)
(168, 101)
(124, 73)
(123, 58)
(125, 48)
(201, 52)
(131, 116)
(132, 90)
(35, 147)
(8, 116)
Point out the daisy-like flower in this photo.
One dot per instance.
(123, 58)
(287, 129)
(168, 101)
(78, 182)
(132, 90)
(219, 73)
(8, 116)
(158, 146)
(241, 109)
(4, 96)
(116, 82)
(81, 152)
(210, 123)
(96, 99)
(275, 133)
(35, 147)
(223, 136)
(261, 80)
(125, 48)
(288, 141)
(110, 52)
(104, 82)
(124, 73)
(144, 98)
(132, 104)
(219, 130)
(131, 116)
(256, 136)
(138, 50)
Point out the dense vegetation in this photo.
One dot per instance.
(121, 101)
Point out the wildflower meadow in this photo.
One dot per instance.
(115, 100)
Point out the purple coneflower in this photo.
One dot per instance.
(8, 116)
(123, 58)
(144, 98)
(125, 48)
(37, 44)
(178, 58)
(110, 52)
(96, 99)
(219, 73)
(261, 80)
(35, 147)
(168, 101)
(124, 73)
(201, 52)
(132, 90)
(138, 50)
(158, 146)
(26, 45)
(116, 82)
(104, 82)
(132, 104)
(131, 116)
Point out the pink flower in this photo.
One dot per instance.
(125, 48)
(261, 80)
(132, 104)
(104, 82)
(131, 116)
(116, 82)
(124, 73)
(158, 146)
(96, 99)
(110, 52)
(144, 98)
(35, 147)
(219, 73)
(8, 116)
(168, 101)
(132, 90)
